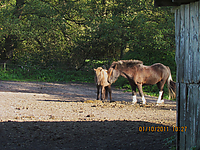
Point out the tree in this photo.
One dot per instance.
(9, 39)
(49, 33)
(153, 36)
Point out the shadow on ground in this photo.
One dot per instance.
(93, 135)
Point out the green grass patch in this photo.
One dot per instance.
(46, 75)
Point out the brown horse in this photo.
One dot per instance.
(139, 74)
(101, 78)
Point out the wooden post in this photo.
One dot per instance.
(187, 36)
(4, 66)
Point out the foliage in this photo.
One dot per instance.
(171, 141)
(156, 45)
(49, 31)
(29, 73)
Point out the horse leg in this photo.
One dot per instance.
(134, 94)
(106, 92)
(98, 92)
(141, 93)
(103, 93)
(109, 90)
(160, 97)
(160, 87)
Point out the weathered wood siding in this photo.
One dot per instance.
(187, 36)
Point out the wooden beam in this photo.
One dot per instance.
(183, 1)
(159, 3)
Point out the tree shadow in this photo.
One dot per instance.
(69, 135)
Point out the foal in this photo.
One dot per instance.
(101, 78)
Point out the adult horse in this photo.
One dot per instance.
(139, 74)
(101, 80)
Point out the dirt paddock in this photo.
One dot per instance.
(58, 116)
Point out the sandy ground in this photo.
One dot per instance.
(38, 115)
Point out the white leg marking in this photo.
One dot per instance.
(159, 98)
(143, 100)
(134, 99)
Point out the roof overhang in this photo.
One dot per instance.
(158, 3)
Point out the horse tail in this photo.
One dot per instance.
(171, 87)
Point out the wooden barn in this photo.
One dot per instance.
(187, 38)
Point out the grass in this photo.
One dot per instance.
(46, 75)
(171, 141)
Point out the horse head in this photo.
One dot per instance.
(113, 73)
(98, 75)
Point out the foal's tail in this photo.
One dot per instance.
(171, 87)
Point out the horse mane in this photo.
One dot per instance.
(127, 63)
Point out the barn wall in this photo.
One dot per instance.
(187, 36)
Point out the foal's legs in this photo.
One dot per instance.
(98, 86)
(106, 92)
(103, 92)
(141, 93)
(109, 90)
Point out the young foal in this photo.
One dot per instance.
(101, 78)
(139, 74)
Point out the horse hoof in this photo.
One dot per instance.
(160, 102)
(133, 103)
(144, 103)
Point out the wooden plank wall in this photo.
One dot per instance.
(187, 36)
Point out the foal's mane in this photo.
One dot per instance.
(127, 63)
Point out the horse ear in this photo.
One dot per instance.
(104, 67)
